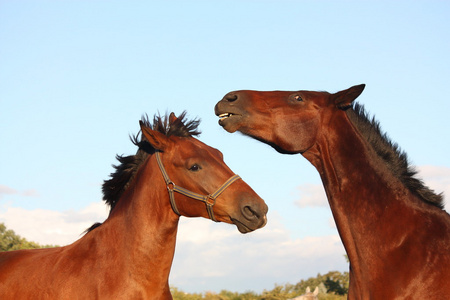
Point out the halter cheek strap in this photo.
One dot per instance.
(209, 200)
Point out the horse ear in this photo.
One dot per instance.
(308, 290)
(157, 139)
(172, 118)
(344, 99)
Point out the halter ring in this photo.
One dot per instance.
(209, 200)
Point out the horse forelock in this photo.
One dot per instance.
(177, 126)
(392, 155)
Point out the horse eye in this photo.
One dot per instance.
(194, 168)
(298, 98)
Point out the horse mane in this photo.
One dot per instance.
(125, 172)
(392, 155)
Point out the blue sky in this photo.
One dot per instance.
(76, 76)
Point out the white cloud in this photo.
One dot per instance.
(225, 259)
(332, 223)
(30, 193)
(6, 190)
(52, 227)
(311, 195)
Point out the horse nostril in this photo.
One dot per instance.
(231, 97)
(249, 212)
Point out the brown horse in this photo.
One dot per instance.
(129, 256)
(394, 228)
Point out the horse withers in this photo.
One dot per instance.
(129, 256)
(393, 227)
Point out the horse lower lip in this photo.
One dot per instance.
(241, 226)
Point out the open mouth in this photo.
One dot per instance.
(229, 120)
(225, 116)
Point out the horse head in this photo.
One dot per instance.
(195, 171)
(275, 117)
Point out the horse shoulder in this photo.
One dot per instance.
(20, 268)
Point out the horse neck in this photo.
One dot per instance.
(361, 192)
(352, 172)
(143, 228)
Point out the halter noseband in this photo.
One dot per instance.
(209, 200)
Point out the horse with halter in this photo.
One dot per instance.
(130, 255)
(393, 227)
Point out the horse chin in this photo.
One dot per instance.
(246, 229)
(241, 227)
(231, 123)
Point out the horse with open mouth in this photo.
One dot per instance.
(393, 227)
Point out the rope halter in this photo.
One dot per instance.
(209, 200)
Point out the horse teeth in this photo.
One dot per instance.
(224, 116)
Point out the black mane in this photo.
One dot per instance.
(390, 152)
(114, 187)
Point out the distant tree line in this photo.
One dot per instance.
(332, 285)
(9, 240)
